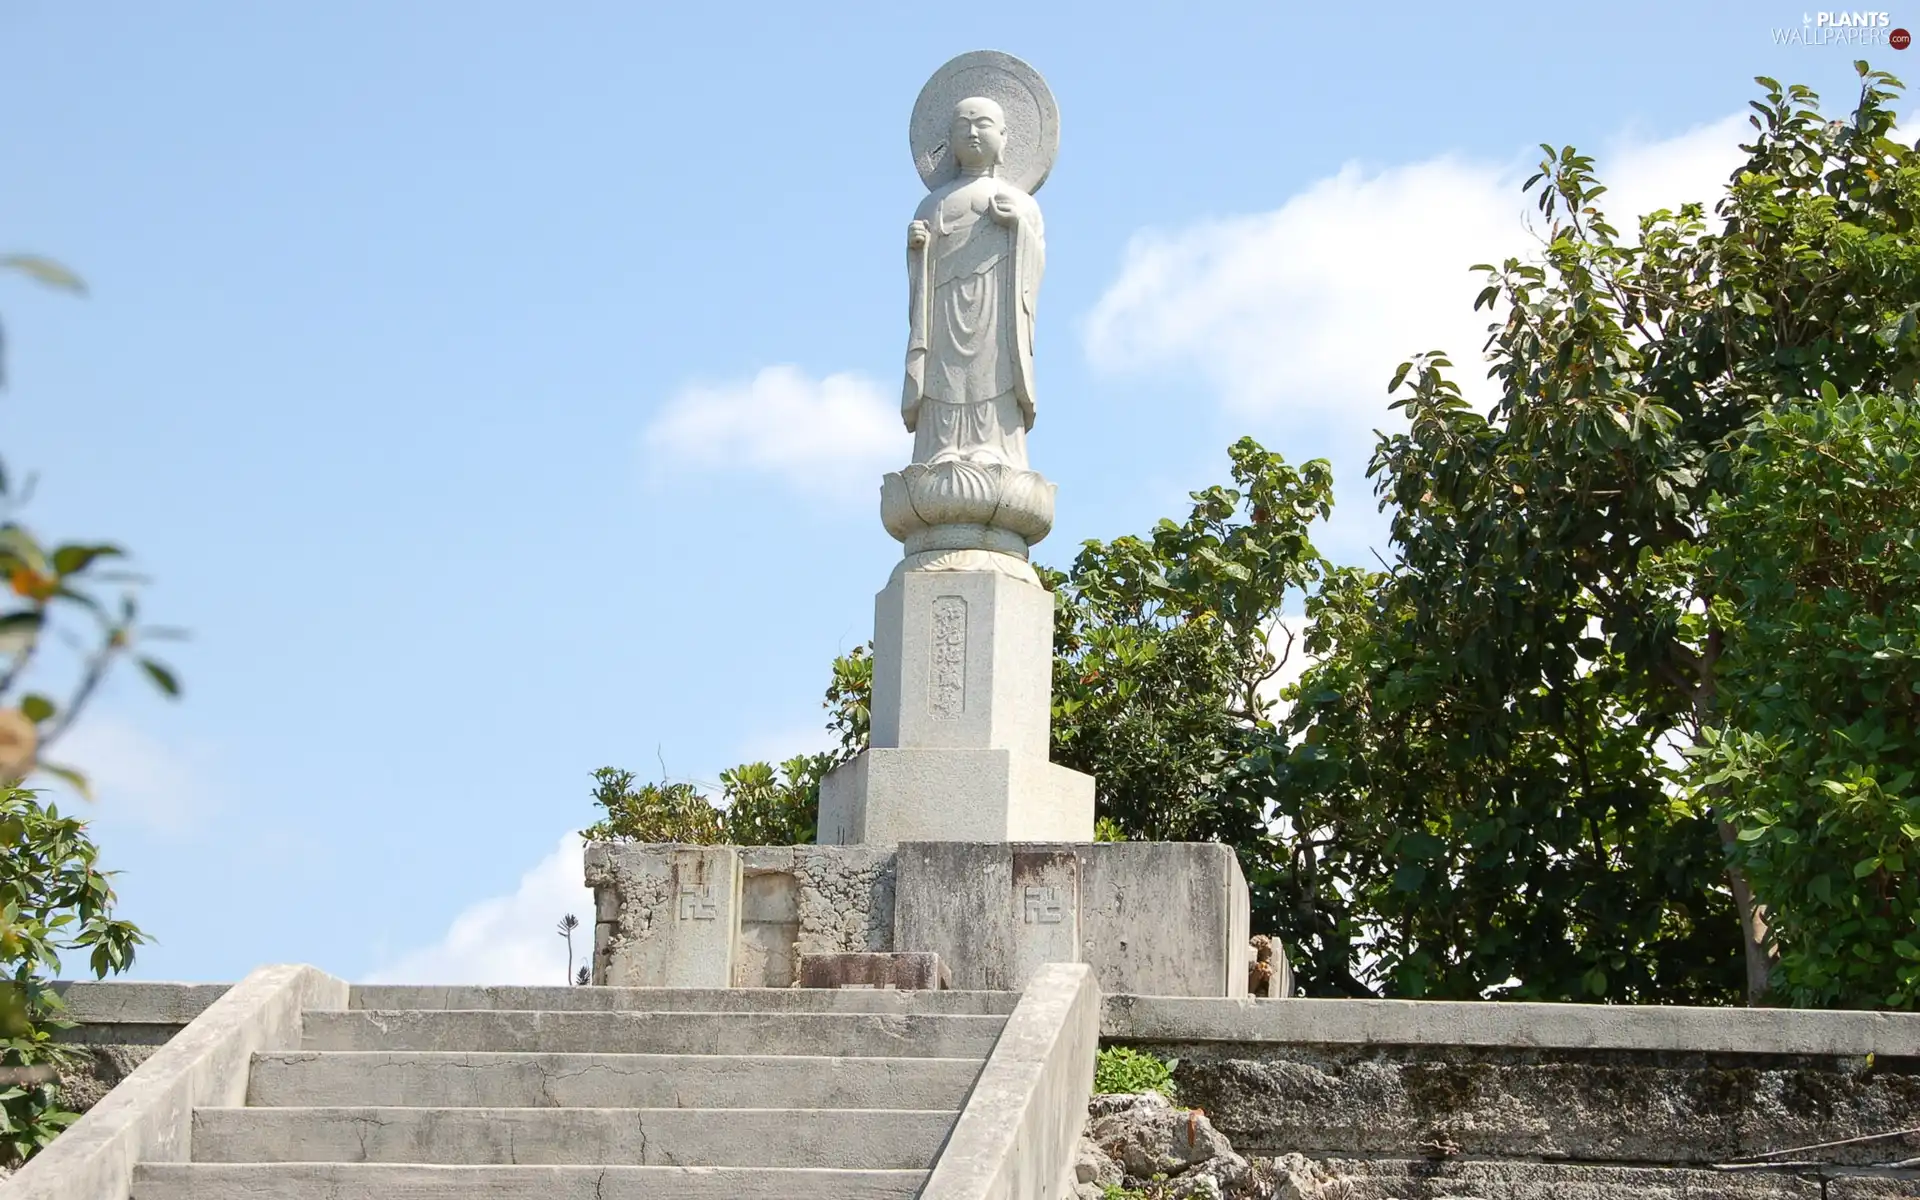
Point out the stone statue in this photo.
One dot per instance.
(984, 133)
(975, 252)
(963, 631)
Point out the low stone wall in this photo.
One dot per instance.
(1588, 1106)
(148, 1117)
(121, 1025)
(1407, 1099)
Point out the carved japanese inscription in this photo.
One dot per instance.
(947, 680)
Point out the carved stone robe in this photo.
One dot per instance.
(969, 385)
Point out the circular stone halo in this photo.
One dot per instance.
(1033, 120)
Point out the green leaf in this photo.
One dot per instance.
(70, 777)
(35, 707)
(19, 629)
(45, 270)
(71, 560)
(161, 676)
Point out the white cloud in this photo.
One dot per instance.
(1308, 308)
(1301, 313)
(833, 435)
(510, 939)
(1313, 303)
(134, 775)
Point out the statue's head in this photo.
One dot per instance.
(979, 135)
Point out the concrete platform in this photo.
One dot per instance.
(474, 1079)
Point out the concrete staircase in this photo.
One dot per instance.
(597, 1094)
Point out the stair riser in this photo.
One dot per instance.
(327, 1181)
(856, 1139)
(469, 1080)
(858, 1035)
(611, 999)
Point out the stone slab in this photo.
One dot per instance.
(1154, 918)
(665, 915)
(386, 1181)
(903, 971)
(491, 1079)
(1780, 1031)
(886, 796)
(645, 999)
(116, 1002)
(849, 1139)
(1164, 918)
(881, 1035)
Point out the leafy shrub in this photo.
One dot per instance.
(53, 897)
(1122, 1070)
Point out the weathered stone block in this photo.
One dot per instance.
(1150, 918)
(665, 915)
(962, 659)
(905, 972)
(886, 796)
(805, 900)
(962, 676)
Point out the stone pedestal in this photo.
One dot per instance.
(1151, 918)
(962, 683)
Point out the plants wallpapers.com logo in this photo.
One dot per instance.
(1849, 30)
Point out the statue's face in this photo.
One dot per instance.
(979, 133)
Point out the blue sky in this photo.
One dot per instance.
(498, 394)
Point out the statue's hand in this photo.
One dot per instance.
(1004, 210)
(918, 234)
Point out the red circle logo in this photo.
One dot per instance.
(1899, 39)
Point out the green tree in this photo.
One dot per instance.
(1166, 647)
(1487, 744)
(1816, 740)
(53, 896)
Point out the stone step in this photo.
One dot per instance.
(839, 1139)
(477, 1079)
(374, 1181)
(637, 999)
(877, 1035)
